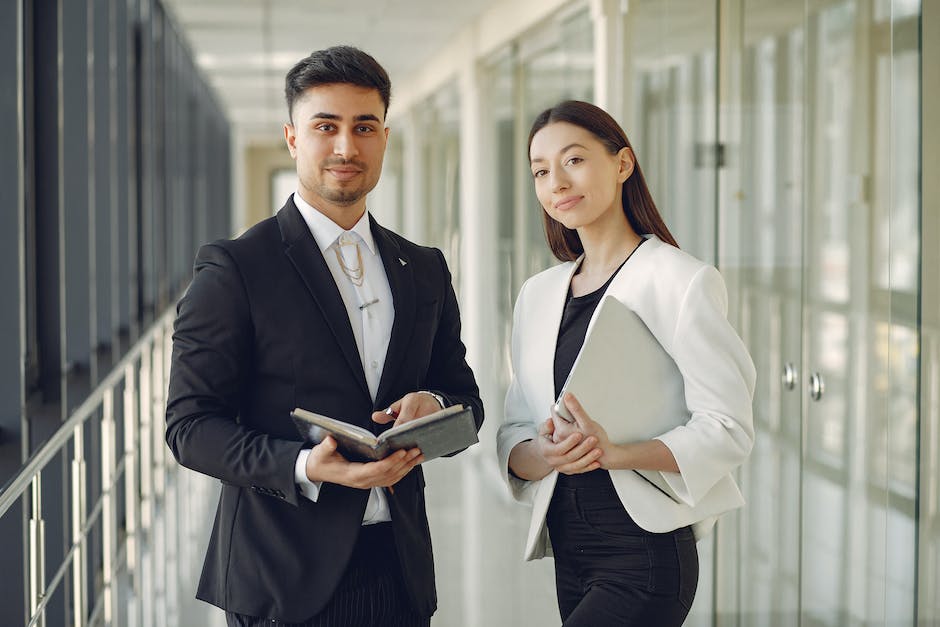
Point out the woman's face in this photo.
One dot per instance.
(577, 181)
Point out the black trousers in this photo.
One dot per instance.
(370, 594)
(610, 571)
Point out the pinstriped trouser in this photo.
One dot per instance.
(370, 594)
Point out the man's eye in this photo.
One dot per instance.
(325, 127)
(364, 129)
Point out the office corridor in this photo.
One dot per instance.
(792, 144)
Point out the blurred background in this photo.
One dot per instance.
(793, 143)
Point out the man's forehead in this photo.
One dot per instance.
(344, 101)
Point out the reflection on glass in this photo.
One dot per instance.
(672, 121)
(829, 119)
(671, 55)
(440, 155)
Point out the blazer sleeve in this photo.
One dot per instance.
(448, 372)
(517, 425)
(212, 352)
(719, 379)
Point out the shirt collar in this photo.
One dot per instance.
(326, 232)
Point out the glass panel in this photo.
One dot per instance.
(440, 160)
(896, 51)
(838, 526)
(859, 474)
(761, 232)
(672, 119)
(560, 67)
(671, 66)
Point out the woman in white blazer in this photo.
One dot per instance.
(624, 548)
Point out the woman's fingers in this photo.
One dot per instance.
(577, 412)
(572, 449)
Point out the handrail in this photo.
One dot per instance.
(17, 486)
(116, 562)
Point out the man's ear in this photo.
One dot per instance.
(290, 137)
(627, 163)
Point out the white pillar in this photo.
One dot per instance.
(609, 51)
(478, 278)
(414, 219)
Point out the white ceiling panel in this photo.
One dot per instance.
(245, 47)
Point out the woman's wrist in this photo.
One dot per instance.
(527, 463)
(616, 457)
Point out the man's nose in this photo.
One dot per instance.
(344, 145)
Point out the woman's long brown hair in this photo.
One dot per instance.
(638, 204)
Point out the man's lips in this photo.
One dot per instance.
(567, 202)
(344, 173)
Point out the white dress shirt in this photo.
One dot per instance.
(371, 314)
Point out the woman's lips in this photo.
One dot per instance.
(568, 202)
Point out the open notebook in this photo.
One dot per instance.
(626, 381)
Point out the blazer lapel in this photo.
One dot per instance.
(401, 280)
(545, 334)
(302, 250)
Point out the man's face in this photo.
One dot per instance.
(338, 138)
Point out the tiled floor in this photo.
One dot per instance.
(478, 533)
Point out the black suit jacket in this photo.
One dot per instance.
(263, 329)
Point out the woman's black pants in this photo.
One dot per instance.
(608, 570)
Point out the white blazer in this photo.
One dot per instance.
(684, 303)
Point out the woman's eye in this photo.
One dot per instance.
(575, 160)
(539, 173)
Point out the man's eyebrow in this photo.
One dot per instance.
(365, 117)
(561, 152)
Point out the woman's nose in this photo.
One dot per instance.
(559, 181)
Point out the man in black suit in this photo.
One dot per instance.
(318, 307)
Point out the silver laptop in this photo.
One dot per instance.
(626, 381)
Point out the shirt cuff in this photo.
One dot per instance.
(310, 489)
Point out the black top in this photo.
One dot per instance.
(574, 324)
(571, 334)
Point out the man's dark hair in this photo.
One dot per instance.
(339, 64)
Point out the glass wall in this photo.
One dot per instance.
(780, 141)
(672, 68)
(115, 166)
(820, 239)
(439, 127)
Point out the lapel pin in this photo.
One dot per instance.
(402, 261)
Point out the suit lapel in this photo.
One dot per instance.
(401, 280)
(302, 250)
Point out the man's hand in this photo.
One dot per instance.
(572, 454)
(407, 408)
(325, 463)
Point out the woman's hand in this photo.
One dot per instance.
(648, 454)
(571, 453)
(587, 427)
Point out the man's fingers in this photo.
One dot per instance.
(328, 445)
(388, 414)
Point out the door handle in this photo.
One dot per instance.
(789, 376)
(816, 386)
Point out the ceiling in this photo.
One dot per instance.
(245, 47)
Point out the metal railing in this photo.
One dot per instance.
(121, 559)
